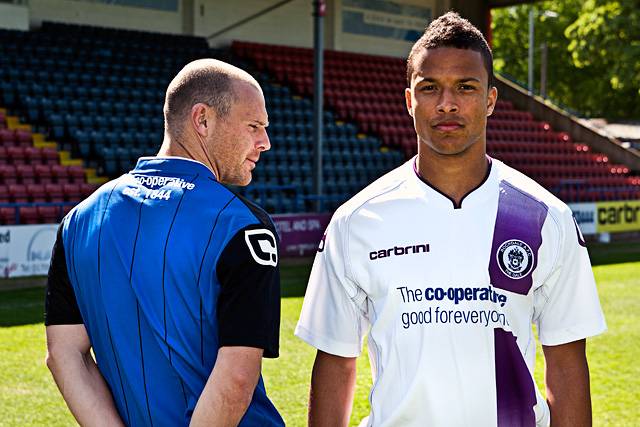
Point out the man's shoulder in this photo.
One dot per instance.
(241, 206)
(385, 185)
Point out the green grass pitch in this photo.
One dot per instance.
(29, 397)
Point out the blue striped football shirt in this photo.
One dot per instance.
(164, 266)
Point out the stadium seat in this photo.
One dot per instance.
(8, 174)
(36, 192)
(28, 215)
(54, 192)
(76, 174)
(8, 215)
(87, 189)
(18, 193)
(48, 214)
(72, 192)
(60, 173)
(26, 174)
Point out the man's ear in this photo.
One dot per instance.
(408, 100)
(492, 98)
(201, 119)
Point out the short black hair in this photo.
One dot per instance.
(451, 30)
(206, 85)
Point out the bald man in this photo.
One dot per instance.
(171, 278)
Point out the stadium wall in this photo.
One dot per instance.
(379, 27)
(14, 17)
(291, 24)
(106, 15)
(382, 27)
(374, 27)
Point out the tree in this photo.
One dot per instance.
(589, 69)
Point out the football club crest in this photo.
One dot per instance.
(515, 259)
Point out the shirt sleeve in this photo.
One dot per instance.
(249, 300)
(61, 307)
(333, 317)
(568, 305)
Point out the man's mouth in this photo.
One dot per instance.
(448, 126)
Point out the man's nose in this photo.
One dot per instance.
(447, 103)
(263, 143)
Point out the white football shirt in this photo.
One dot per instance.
(448, 296)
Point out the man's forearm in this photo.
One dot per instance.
(332, 388)
(84, 389)
(568, 391)
(228, 392)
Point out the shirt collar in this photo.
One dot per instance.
(478, 192)
(179, 165)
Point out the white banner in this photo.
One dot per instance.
(585, 214)
(25, 250)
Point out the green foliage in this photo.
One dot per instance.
(593, 53)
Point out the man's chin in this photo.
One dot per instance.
(449, 146)
(244, 181)
(238, 181)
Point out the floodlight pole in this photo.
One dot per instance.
(319, 8)
(532, 14)
(543, 70)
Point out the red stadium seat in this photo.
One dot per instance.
(26, 174)
(8, 174)
(16, 155)
(87, 189)
(54, 192)
(76, 174)
(4, 194)
(24, 137)
(18, 193)
(72, 192)
(66, 209)
(48, 214)
(7, 215)
(43, 173)
(50, 156)
(28, 215)
(7, 137)
(37, 192)
(33, 155)
(60, 173)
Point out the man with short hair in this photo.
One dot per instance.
(446, 262)
(170, 277)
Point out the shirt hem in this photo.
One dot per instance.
(325, 344)
(564, 336)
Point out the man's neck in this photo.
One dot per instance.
(453, 175)
(172, 147)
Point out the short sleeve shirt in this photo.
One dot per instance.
(448, 296)
(164, 266)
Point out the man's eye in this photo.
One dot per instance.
(428, 88)
(467, 87)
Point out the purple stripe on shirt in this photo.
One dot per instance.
(517, 237)
(515, 391)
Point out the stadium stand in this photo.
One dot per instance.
(376, 105)
(95, 92)
(99, 92)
